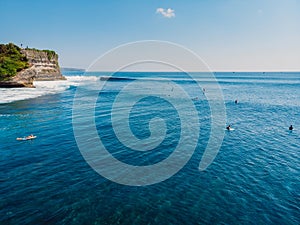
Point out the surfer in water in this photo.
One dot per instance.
(291, 127)
(31, 136)
(228, 127)
(236, 101)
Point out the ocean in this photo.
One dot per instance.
(253, 179)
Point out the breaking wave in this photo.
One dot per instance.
(8, 95)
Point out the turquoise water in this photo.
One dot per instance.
(255, 178)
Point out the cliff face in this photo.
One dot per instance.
(43, 66)
(23, 78)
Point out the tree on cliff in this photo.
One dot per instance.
(11, 61)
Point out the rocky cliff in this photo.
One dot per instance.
(42, 65)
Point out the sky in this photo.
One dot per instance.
(229, 35)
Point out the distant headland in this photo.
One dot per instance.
(68, 69)
(19, 67)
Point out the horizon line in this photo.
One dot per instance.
(193, 71)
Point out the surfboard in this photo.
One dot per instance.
(26, 138)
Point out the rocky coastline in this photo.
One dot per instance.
(42, 66)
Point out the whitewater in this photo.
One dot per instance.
(43, 88)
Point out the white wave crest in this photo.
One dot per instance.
(8, 95)
(80, 79)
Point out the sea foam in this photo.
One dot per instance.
(8, 95)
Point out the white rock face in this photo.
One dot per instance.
(44, 63)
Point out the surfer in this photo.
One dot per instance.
(291, 127)
(236, 101)
(228, 127)
(30, 137)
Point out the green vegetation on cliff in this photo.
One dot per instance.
(50, 54)
(11, 61)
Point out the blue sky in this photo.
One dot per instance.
(229, 35)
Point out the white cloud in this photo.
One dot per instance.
(168, 13)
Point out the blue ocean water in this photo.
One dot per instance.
(255, 178)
